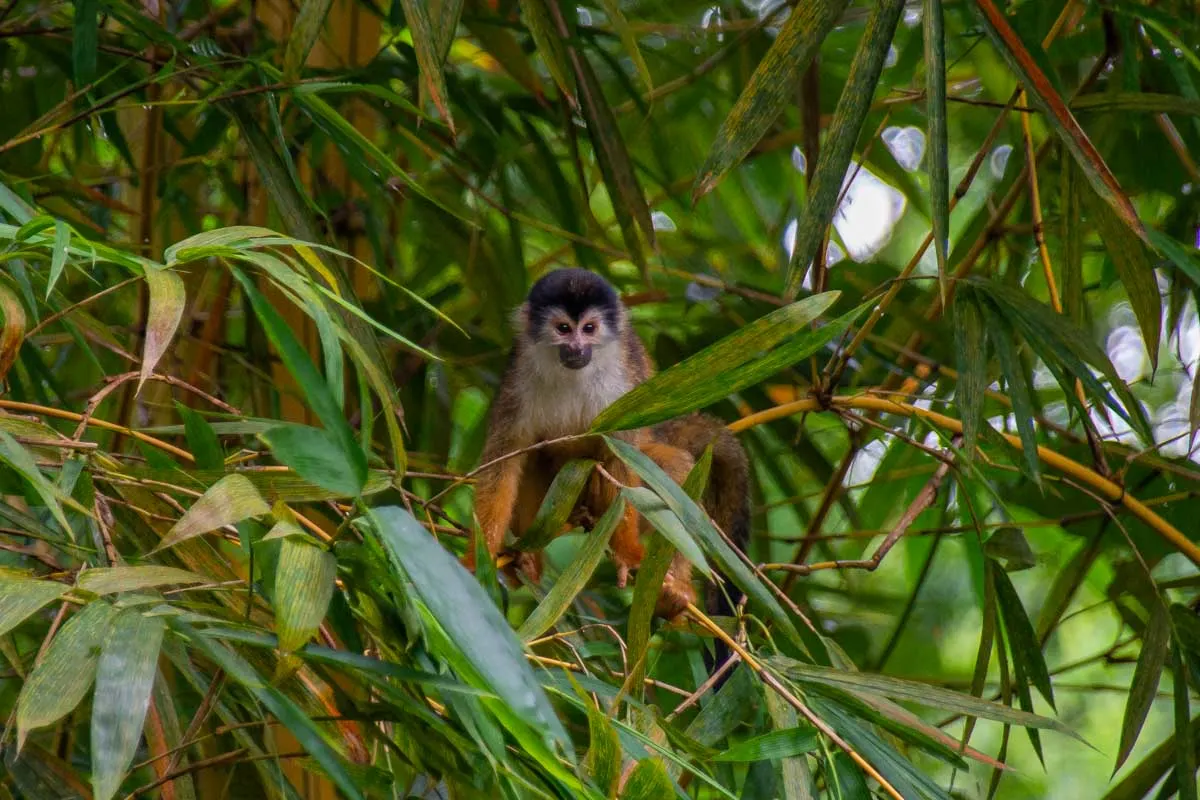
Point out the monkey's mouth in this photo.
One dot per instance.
(574, 358)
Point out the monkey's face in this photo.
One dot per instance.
(575, 338)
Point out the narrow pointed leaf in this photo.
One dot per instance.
(443, 18)
(700, 526)
(742, 359)
(482, 635)
(1004, 342)
(1071, 231)
(603, 760)
(58, 256)
(305, 32)
(649, 781)
(24, 596)
(109, 580)
(549, 43)
(1023, 643)
(1185, 747)
(841, 138)
(12, 332)
(575, 577)
(202, 439)
(557, 505)
(1043, 95)
(65, 673)
(167, 299)
(770, 89)
(970, 350)
(229, 500)
(773, 745)
(933, 26)
(650, 506)
(124, 680)
(303, 588)
(316, 455)
(17, 457)
(433, 80)
(629, 40)
(1156, 643)
(83, 42)
(1131, 257)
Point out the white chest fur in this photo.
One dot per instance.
(558, 401)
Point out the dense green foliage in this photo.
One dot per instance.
(257, 264)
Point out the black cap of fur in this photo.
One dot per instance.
(574, 291)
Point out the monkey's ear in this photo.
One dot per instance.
(520, 318)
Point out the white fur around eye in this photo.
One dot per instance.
(557, 401)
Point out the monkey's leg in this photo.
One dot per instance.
(532, 491)
(677, 590)
(495, 498)
(626, 544)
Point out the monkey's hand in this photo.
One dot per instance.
(675, 596)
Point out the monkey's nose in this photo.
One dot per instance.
(574, 357)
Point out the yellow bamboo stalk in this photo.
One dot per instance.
(1073, 469)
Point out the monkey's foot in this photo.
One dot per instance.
(674, 598)
(529, 565)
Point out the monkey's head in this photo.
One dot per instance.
(573, 310)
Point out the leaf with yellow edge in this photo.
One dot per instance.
(303, 588)
(229, 500)
(167, 298)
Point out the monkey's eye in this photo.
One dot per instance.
(589, 328)
(563, 327)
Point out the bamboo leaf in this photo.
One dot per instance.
(1003, 339)
(61, 679)
(650, 506)
(649, 781)
(1022, 639)
(1055, 112)
(575, 576)
(443, 19)
(700, 526)
(317, 456)
(838, 147)
(482, 636)
(970, 350)
(933, 26)
(549, 43)
(167, 299)
(603, 758)
(109, 580)
(616, 18)
(1185, 741)
(745, 358)
(1072, 238)
(305, 31)
(557, 505)
(124, 678)
(769, 90)
(1156, 643)
(776, 744)
(17, 457)
(425, 43)
(303, 588)
(229, 500)
(83, 41)
(24, 596)
(1132, 260)
(202, 439)
(58, 256)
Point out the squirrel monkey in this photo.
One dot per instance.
(576, 353)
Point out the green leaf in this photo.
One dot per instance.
(549, 43)
(83, 42)
(229, 500)
(443, 18)
(770, 89)
(124, 679)
(425, 43)
(776, 744)
(24, 596)
(1010, 545)
(58, 258)
(649, 781)
(1003, 339)
(482, 636)
(303, 588)
(1022, 639)
(629, 39)
(916, 692)
(603, 758)
(797, 780)
(1156, 643)
(575, 576)
(305, 32)
(1072, 232)
(933, 26)
(1185, 741)
(970, 350)
(167, 299)
(294, 718)
(742, 359)
(647, 587)
(656, 512)
(305, 373)
(1132, 260)
(202, 439)
(61, 679)
(1184, 257)
(557, 505)
(109, 580)
(316, 455)
(1043, 95)
(17, 457)
(837, 148)
(849, 779)
(700, 526)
